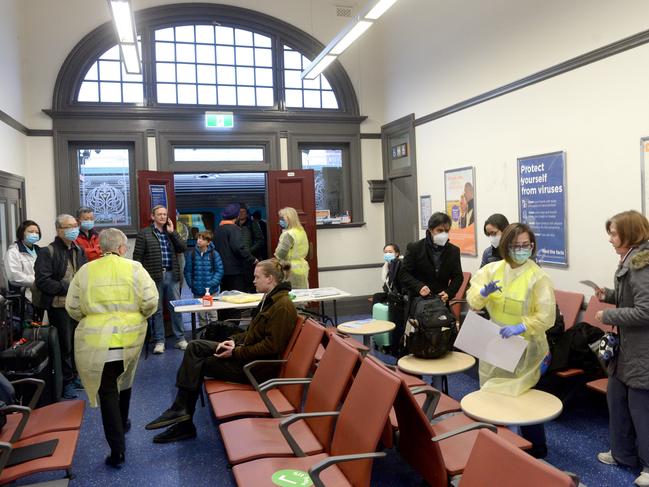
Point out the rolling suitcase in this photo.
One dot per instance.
(53, 375)
(380, 312)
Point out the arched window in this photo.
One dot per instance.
(208, 56)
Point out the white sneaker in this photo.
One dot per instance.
(159, 348)
(643, 478)
(607, 458)
(182, 344)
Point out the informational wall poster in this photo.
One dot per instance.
(459, 190)
(425, 210)
(542, 204)
(644, 160)
(158, 195)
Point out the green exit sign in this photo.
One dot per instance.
(219, 120)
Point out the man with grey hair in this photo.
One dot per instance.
(88, 238)
(111, 297)
(54, 269)
(159, 248)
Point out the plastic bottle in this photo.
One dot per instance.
(207, 299)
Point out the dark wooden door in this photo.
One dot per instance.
(296, 189)
(155, 188)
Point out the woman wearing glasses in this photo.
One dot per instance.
(519, 297)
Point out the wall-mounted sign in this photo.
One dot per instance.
(425, 210)
(542, 204)
(219, 120)
(158, 195)
(400, 150)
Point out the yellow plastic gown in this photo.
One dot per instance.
(111, 298)
(293, 246)
(527, 297)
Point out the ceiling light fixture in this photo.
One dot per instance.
(122, 14)
(352, 31)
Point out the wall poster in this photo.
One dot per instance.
(425, 210)
(158, 195)
(459, 191)
(542, 204)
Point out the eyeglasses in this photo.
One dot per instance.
(68, 227)
(526, 246)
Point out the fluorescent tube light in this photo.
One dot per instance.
(379, 9)
(315, 68)
(126, 35)
(123, 22)
(352, 31)
(131, 58)
(350, 37)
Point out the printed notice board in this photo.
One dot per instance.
(542, 204)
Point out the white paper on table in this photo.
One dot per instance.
(481, 338)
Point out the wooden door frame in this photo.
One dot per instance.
(404, 125)
(16, 182)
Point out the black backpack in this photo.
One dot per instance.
(434, 328)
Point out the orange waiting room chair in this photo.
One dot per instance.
(348, 461)
(569, 304)
(495, 462)
(60, 416)
(441, 450)
(216, 385)
(251, 438)
(273, 397)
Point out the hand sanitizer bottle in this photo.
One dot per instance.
(207, 299)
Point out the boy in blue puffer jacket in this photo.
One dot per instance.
(204, 269)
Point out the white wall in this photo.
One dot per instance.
(597, 114)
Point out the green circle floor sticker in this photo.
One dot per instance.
(291, 478)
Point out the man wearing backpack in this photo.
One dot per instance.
(204, 270)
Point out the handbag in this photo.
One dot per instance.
(609, 344)
(24, 355)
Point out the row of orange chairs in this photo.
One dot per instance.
(27, 428)
(353, 403)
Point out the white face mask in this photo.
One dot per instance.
(495, 240)
(440, 238)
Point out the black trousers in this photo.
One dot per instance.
(199, 361)
(628, 417)
(65, 326)
(114, 406)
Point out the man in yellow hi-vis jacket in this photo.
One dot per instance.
(111, 297)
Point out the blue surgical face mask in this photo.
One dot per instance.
(87, 224)
(71, 233)
(520, 256)
(32, 238)
(283, 224)
(388, 257)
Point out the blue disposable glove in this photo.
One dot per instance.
(490, 287)
(510, 331)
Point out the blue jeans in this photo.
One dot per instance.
(168, 288)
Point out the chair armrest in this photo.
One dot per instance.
(263, 393)
(25, 412)
(247, 369)
(5, 452)
(432, 399)
(38, 383)
(314, 472)
(464, 429)
(286, 422)
(273, 383)
(456, 301)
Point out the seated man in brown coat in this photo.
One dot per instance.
(266, 338)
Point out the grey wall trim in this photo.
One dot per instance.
(369, 135)
(561, 68)
(349, 267)
(15, 124)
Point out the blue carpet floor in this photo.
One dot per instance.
(573, 441)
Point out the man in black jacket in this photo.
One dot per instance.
(157, 247)
(432, 265)
(54, 269)
(234, 254)
(253, 239)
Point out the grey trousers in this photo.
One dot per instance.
(628, 411)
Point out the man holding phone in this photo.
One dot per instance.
(158, 247)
